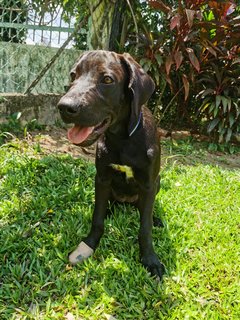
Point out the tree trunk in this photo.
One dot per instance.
(105, 24)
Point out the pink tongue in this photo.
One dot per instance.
(78, 134)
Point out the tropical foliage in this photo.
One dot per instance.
(191, 48)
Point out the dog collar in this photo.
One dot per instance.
(135, 128)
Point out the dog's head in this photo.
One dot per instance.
(106, 88)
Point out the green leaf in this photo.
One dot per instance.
(207, 92)
(143, 61)
(229, 104)
(212, 107)
(218, 101)
(221, 134)
(222, 131)
(215, 112)
(159, 58)
(237, 108)
(224, 103)
(221, 126)
(231, 120)
(213, 124)
(147, 65)
(205, 105)
(208, 79)
(210, 16)
(157, 78)
(229, 134)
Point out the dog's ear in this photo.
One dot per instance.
(141, 86)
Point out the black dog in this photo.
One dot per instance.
(105, 101)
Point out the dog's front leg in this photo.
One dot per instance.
(102, 195)
(89, 244)
(148, 256)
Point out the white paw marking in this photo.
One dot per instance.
(82, 252)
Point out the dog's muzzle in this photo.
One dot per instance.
(86, 128)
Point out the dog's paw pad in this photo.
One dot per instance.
(82, 252)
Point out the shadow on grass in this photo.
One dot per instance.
(191, 152)
(46, 209)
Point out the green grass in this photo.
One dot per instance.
(46, 207)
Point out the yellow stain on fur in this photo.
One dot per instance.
(125, 169)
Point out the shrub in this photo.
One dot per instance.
(194, 53)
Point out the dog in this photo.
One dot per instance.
(106, 103)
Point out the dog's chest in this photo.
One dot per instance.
(125, 158)
(133, 156)
(127, 171)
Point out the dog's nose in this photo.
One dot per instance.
(68, 106)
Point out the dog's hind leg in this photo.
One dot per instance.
(157, 222)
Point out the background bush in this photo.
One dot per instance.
(192, 50)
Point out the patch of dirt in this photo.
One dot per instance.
(54, 141)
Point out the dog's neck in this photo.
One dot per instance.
(135, 126)
(120, 130)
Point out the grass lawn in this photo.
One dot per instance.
(46, 206)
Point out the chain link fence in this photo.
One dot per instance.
(29, 39)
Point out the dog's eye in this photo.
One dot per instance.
(107, 80)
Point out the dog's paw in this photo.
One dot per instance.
(154, 266)
(82, 252)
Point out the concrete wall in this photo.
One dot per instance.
(42, 107)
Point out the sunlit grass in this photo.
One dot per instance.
(46, 207)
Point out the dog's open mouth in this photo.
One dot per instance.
(80, 135)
